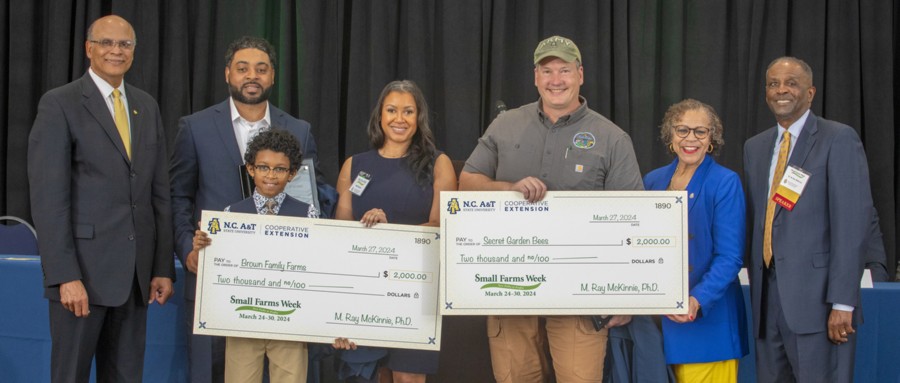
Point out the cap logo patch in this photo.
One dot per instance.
(584, 140)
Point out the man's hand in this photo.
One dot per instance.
(618, 320)
(531, 188)
(74, 298)
(160, 290)
(840, 326)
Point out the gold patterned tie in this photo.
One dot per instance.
(270, 206)
(122, 121)
(783, 151)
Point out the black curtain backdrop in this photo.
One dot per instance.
(335, 56)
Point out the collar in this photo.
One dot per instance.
(570, 118)
(105, 88)
(695, 185)
(235, 115)
(795, 128)
(260, 201)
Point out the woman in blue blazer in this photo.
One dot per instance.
(705, 344)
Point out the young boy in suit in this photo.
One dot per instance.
(272, 159)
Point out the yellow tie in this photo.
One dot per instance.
(122, 121)
(783, 151)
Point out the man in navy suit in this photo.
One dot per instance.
(100, 201)
(209, 148)
(805, 267)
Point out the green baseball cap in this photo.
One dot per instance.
(557, 46)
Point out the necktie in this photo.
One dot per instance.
(783, 152)
(122, 121)
(270, 206)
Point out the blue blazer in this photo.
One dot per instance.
(819, 247)
(204, 170)
(716, 237)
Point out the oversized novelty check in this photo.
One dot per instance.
(574, 252)
(302, 279)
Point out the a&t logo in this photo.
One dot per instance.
(214, 226)
(453, 206)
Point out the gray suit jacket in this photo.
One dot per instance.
(205, 170)
(818, 248)
(100, 217)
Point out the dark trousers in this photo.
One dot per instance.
(206, 353)
(784, 356)
(115, 335)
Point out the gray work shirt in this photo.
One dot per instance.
(581, 151)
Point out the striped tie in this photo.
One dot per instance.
(783, 151)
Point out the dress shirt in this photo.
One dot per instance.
(107, 91)
(795, 130)
(245, 130)
(260, 201)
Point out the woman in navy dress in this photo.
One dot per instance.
(398, 181)
(705, 344)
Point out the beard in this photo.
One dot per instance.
(238, 96)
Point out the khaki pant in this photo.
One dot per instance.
(288, 361)
(519, 347)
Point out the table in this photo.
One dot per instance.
(878, 344)
(25, 335)
(25, 328)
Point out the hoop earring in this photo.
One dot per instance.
(710, 148)
(672, 147)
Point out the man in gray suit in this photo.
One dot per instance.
(100, 202)
(209, 151)
(808, 249)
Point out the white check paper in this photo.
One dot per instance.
(275, 277)
(575, 252)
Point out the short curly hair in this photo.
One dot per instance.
(277, 140)
(250, 42)
(677, 111)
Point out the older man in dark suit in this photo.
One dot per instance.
(808, 185)
(100, 201)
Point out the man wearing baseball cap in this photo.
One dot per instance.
(574, 148)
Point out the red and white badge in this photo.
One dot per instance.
(791, 187)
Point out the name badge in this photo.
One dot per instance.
(791, 187)
(360, 183)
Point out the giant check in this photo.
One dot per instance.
(575, 252)
(302, 279)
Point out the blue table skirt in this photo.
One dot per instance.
(25, 334)
(25, 328)
(877, 345)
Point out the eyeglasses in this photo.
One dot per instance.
(126, 45)
(700, 132)
(264, 170)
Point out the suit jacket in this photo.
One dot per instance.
(290, 207)
(100, 217)
(819, 247)
(716, 227)
(205, 169)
